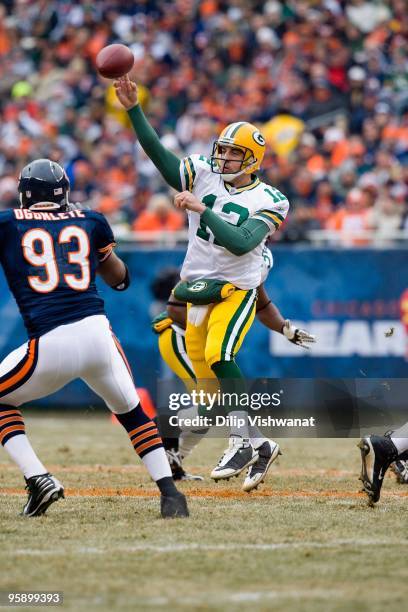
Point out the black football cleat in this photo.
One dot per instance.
(267, 453)
(400, 466)
(43, 490)
(174, 506)
(238, 456)
(176, 464)
(377, 454)
(400, 469)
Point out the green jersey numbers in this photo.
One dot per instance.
(238, 214)
(275, 194)
(202, 232)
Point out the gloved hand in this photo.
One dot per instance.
(300, 337)
(161, 322)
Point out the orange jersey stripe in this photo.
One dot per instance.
(107, 247)
(121, 351)
(6, 412)
(8, 430)
(10, 419)
(145, 435)
(141, 428)
(32, 345)
(146, 445)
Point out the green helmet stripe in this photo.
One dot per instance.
(235, 130)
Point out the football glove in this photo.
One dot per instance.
(297, 336)
(161, 322)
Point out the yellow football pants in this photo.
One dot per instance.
(218, 338)
(222, 332)
(173, 351)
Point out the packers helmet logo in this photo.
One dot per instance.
(259, 139)
(198, 286)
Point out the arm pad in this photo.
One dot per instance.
(124, 284)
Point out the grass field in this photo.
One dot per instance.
(305, 541)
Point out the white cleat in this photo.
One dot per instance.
(238, 456)
(268, 452)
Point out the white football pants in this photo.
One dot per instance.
(86, 349)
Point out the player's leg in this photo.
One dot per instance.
(24, 375)
(106, 370)
(196, 339)
(172, 347)
(400, 469)
(400, 465)
(377, 454)
(400, 440)
(229, 323)
(173, 351)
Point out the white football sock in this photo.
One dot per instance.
(189, 440)
(187, 413)
(256, 436)
(22, 453)
(239, 426)
(157, 464)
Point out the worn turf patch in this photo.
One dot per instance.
(304, 541)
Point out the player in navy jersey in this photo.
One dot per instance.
(51, 252)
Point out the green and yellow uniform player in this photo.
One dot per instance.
(231, 214)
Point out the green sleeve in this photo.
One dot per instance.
(165, 161)
(237, 240)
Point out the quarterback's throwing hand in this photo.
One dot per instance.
(126, 91)
(298, 336)
(187, 201)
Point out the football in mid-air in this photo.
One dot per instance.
(114, 61)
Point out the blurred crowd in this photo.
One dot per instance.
(325, 80)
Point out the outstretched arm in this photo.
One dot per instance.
(165, 161)
(270, 316)
(267, 313)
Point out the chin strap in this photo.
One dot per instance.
(230, 177)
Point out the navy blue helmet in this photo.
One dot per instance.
(43, 185)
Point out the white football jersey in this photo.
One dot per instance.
(267, 263)
(205, 258)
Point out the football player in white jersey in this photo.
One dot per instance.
(170, 329)
(231, 215)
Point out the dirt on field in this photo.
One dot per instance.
(305, 541)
